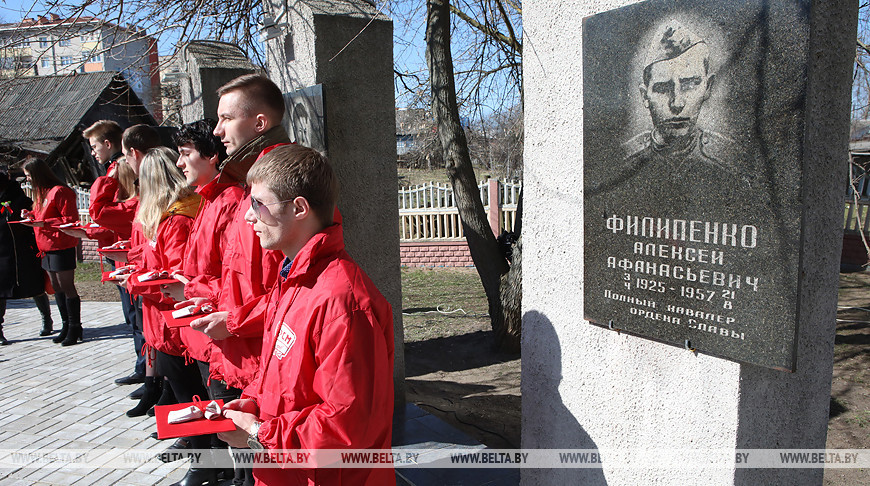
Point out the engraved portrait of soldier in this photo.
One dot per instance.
(675, 157)
(692, 132)
(677, 80)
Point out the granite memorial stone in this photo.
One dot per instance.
(693, 133)
(305, 120)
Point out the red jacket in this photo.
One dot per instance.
(165, 252)
(108, 213)
(202, 260)
(203, 256)
(326, 374)
(59, 207)
(249, 273)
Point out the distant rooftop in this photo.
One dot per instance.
(52, 20)
(38, 112)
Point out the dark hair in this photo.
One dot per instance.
(201, 134)
(294, 170)
(141, 137)
(106, 130)
(42, 178)
(261, 95)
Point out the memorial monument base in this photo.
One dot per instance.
(589, 387)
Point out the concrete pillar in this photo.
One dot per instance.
(321, 45)
(587, 387)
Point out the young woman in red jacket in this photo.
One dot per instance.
(167, 208)
(54, 204)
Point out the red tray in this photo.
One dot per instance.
(202, 426)
(159, 281)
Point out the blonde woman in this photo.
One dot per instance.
(167, 208)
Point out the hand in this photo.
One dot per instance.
(213, 325)
(26, 214)
(197, 301)
(121, 280)
(174, 291)
(243, 414)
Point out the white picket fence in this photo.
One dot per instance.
(426, 212)
(429, 212)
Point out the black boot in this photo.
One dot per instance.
(3, 341)
(60, 300)
(167, 397)
(149, 398)
(74, 310)
(44, 307)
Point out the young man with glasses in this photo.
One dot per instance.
(325, 378)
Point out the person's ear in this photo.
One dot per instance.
(213, 160)
(710, 79)
(301, 208)
(262, 123)
(642, 88)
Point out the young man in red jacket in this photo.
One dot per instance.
(326, 370)
(104, 137)
(250, 110)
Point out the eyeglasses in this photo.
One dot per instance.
(257, 206)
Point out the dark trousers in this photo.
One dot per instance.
(186, 383)
(218, 390)
(132, 308)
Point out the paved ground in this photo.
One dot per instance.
(64, 398)
(54, 400)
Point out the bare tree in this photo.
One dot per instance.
(489, 259)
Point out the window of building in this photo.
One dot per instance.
(43, 42)
(95, 58)
(65, 43)
(66, 60)
(46, 63)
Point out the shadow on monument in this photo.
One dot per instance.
(549, 424)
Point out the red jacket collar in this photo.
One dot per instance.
(214, 188)
(322, 245)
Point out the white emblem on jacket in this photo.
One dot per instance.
(286, 338)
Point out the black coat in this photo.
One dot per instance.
(21, 274)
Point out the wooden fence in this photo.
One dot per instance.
(428, 212)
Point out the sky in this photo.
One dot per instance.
(409, 19)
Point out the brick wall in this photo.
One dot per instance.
(436, 254)
(87, 250)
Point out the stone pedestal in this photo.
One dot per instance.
(588, 387)
(346, 46)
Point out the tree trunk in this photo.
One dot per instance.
(491, 264)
